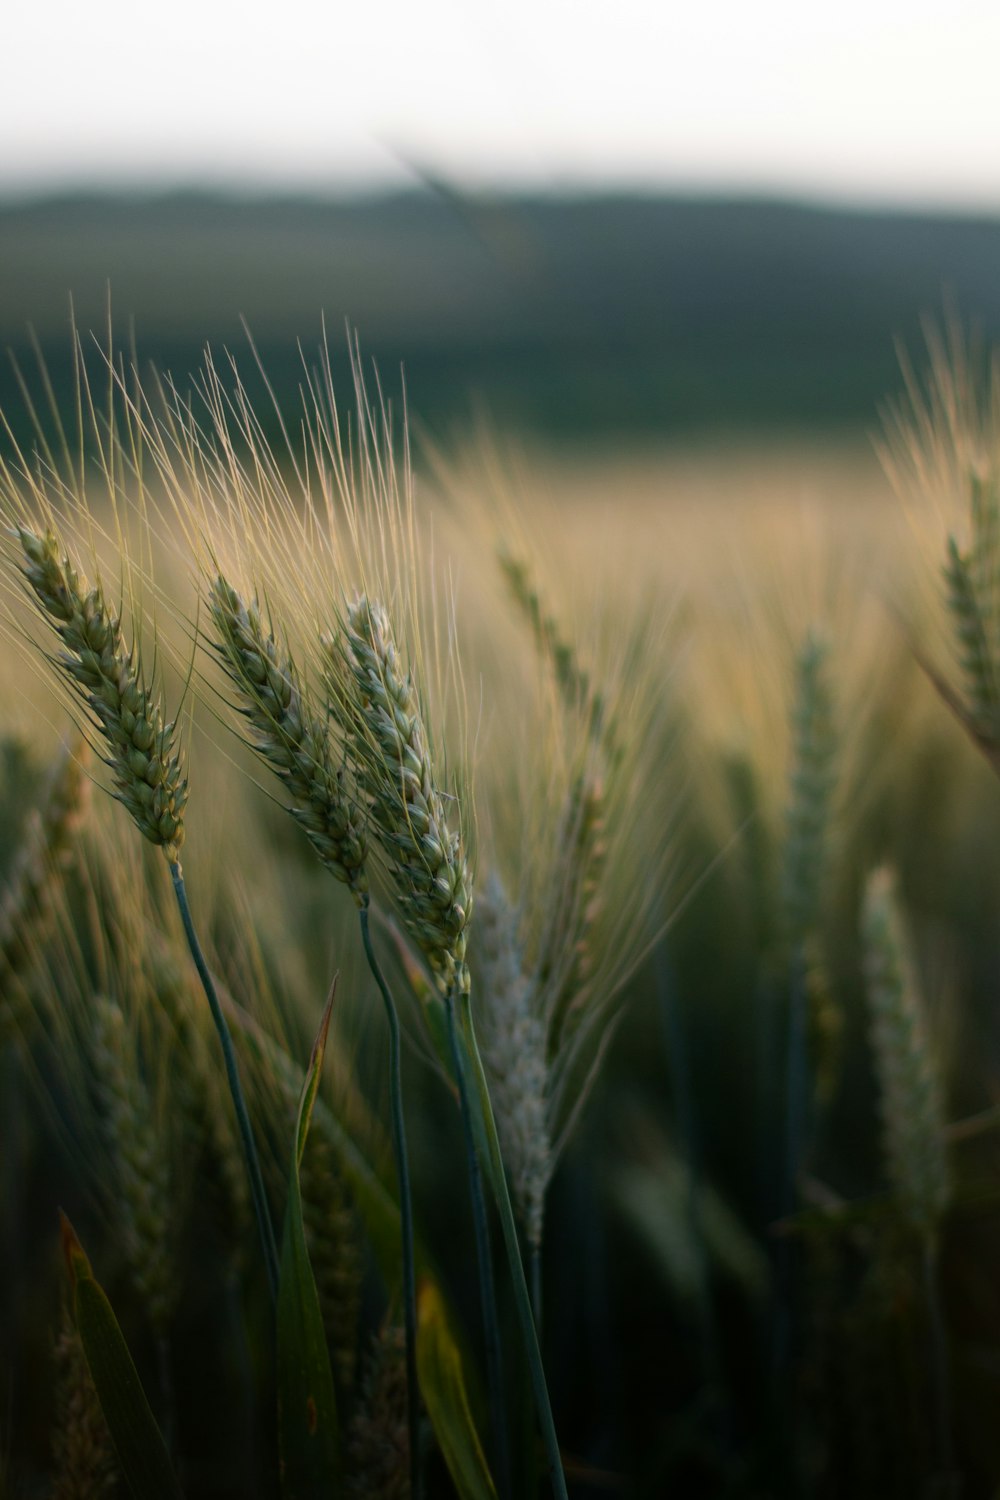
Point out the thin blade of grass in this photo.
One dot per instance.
(442, 1384)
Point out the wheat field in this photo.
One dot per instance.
(622, 1116)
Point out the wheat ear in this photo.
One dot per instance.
(140, 747)
(912, 1114)
(140, 1169)
(378, 707)
(378, 1439)
(810, 789)
(572, 679)
(294, 742)
(207, 1123)
(513, 1042)
(912, 1109)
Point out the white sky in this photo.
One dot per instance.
(859, 99)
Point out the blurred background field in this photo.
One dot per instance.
(577, 318)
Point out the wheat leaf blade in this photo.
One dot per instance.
(138, 1441)
(442, 1384)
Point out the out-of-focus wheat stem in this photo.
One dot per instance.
(257, 1190)
(938, 1338)
(484, 1255)
(405, 1207)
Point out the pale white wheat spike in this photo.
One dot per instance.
(513, 1043)
(378, 1442)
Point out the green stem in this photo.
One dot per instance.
(257, 1190)
(784, 1388)
(522, 1298)
(940, 1383)
(405, 1209)
(535, 1261)
(797, 1082)
(484, 1256)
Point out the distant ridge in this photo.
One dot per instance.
(591, 315)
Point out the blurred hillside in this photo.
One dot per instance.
(599, 316)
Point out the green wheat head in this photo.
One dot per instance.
(292, 740)
(912, 1107)
(374, 698)
(140, 748)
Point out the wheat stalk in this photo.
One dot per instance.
(810, 787)
(375, 701)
